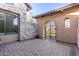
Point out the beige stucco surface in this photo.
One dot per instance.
(62, 34)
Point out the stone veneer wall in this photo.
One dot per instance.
(26, 30)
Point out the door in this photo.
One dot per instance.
(50, 30)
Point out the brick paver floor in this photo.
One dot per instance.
(38, 47)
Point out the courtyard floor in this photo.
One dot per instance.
(38, 47)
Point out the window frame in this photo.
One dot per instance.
(67, 22)
(10, 13)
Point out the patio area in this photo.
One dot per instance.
(38, 47)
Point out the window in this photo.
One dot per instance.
(67, 23)
(2, 19)
(11, 24)
(8, 23)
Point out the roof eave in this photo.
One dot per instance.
(29, 6)
(49, 12)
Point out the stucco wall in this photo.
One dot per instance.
(62, 34)
(21, 9)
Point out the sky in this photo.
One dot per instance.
(39, 8)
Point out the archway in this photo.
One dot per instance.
(50, 30)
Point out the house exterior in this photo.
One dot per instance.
(66, 22)
(13, 24)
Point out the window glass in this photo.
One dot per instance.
(50, 29)
(11, 23)
(15, 21)
(2, 18)
(8, 23)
